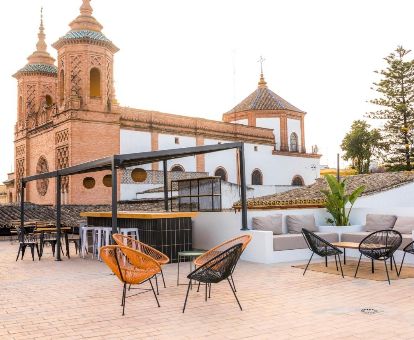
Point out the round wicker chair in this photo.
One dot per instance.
(409, 248)
(131, 267)
(215, 270)
(380, 246)
(213, 252)
(130, 242)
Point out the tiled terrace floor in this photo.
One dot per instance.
(80, 299)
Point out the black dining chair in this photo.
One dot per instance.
(218, 269)
(380, 246)
(321, 247)
(409, 248)
(27, 239)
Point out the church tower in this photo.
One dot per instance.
(36, 98)
(85, 65)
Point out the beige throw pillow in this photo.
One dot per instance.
(271, 223)
(375, 222)
(404, 224)
(295, 223)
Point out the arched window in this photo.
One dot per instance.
(257, 177)
(49, 100)
(20, 105)
(221, 172)
(294, 142)
(298, 181)
(177, 167)
(62, 87)
(95, 83)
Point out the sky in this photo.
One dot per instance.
(200, 58)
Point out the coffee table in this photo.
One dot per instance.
(346, 245)
(191, 255)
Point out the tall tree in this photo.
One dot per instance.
(360, 144)
(396, 89)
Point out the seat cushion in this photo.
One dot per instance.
(297, 241)
(404, 224)
(375, 222)
(271, 223)
(295, 223)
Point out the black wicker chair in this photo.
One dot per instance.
(407, 249)
(27, 240)
(322, 248)
(219, 268)
(380, 246)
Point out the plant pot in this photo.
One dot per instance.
(355, 228)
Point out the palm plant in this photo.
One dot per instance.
(337, 199)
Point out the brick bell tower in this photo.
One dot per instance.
(85, 65)
(36, 98)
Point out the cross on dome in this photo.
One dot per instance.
(262, 83)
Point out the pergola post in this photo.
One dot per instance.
(58, 215)
(22, 186)
(243, 188)
(164, 164)
(114, 197)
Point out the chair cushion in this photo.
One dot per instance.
(404, 224)
(295, 223)
(297, 241)
(271, 223)
(375, 222)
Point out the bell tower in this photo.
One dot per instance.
(85, 65)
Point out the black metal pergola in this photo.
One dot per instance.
(128, 160)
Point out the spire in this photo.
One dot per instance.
(41, 56)
(262, 83)
(85, 21)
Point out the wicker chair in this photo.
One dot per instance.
(130, 242)
(407, 249)
(380, 246)
(27, 240)
(208, 255)
(131, 267)
(217, 269)
(322, 248)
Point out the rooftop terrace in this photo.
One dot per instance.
(79, 298)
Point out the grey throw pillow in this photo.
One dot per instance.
(375, 222)
(271, 223)
(295, 223)
(404, 224)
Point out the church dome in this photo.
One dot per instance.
(263, 99)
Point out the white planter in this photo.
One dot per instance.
(355, 228)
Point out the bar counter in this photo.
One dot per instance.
(168, 232)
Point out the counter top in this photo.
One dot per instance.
(139, 214)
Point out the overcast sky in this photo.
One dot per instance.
(199, 58)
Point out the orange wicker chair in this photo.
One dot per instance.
(222, 247)
(131, 267)
(130, 242)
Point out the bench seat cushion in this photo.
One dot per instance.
(296, 241)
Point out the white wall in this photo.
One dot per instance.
(135, 141)
(226, 159)
(166, 142)
(271, 123)
(293, 125)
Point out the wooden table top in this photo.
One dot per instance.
(355, 245)
(52, 229)
(139, 215)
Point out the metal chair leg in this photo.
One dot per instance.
(395, 265)
(336, 262)
(307, 264)
(401, 264)
(372, 266)
(232, 281)
(206, 291)
(154, 293)
(386, 269)
(358, 265)
(340, 265)
(156, 283)
(186, 297)
(162, 274)
(209, 291)
(20, 248)
(231, 287)
(123, 300)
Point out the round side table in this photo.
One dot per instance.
(189, 254)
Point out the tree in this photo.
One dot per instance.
(360, 144)
(396, 89)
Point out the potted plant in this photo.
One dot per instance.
(337, 200)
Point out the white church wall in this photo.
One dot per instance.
(166, 142)
(271, 123)
(226, 159)
(287, 167)
(135, 141)
(129, 191)
(293, 125)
